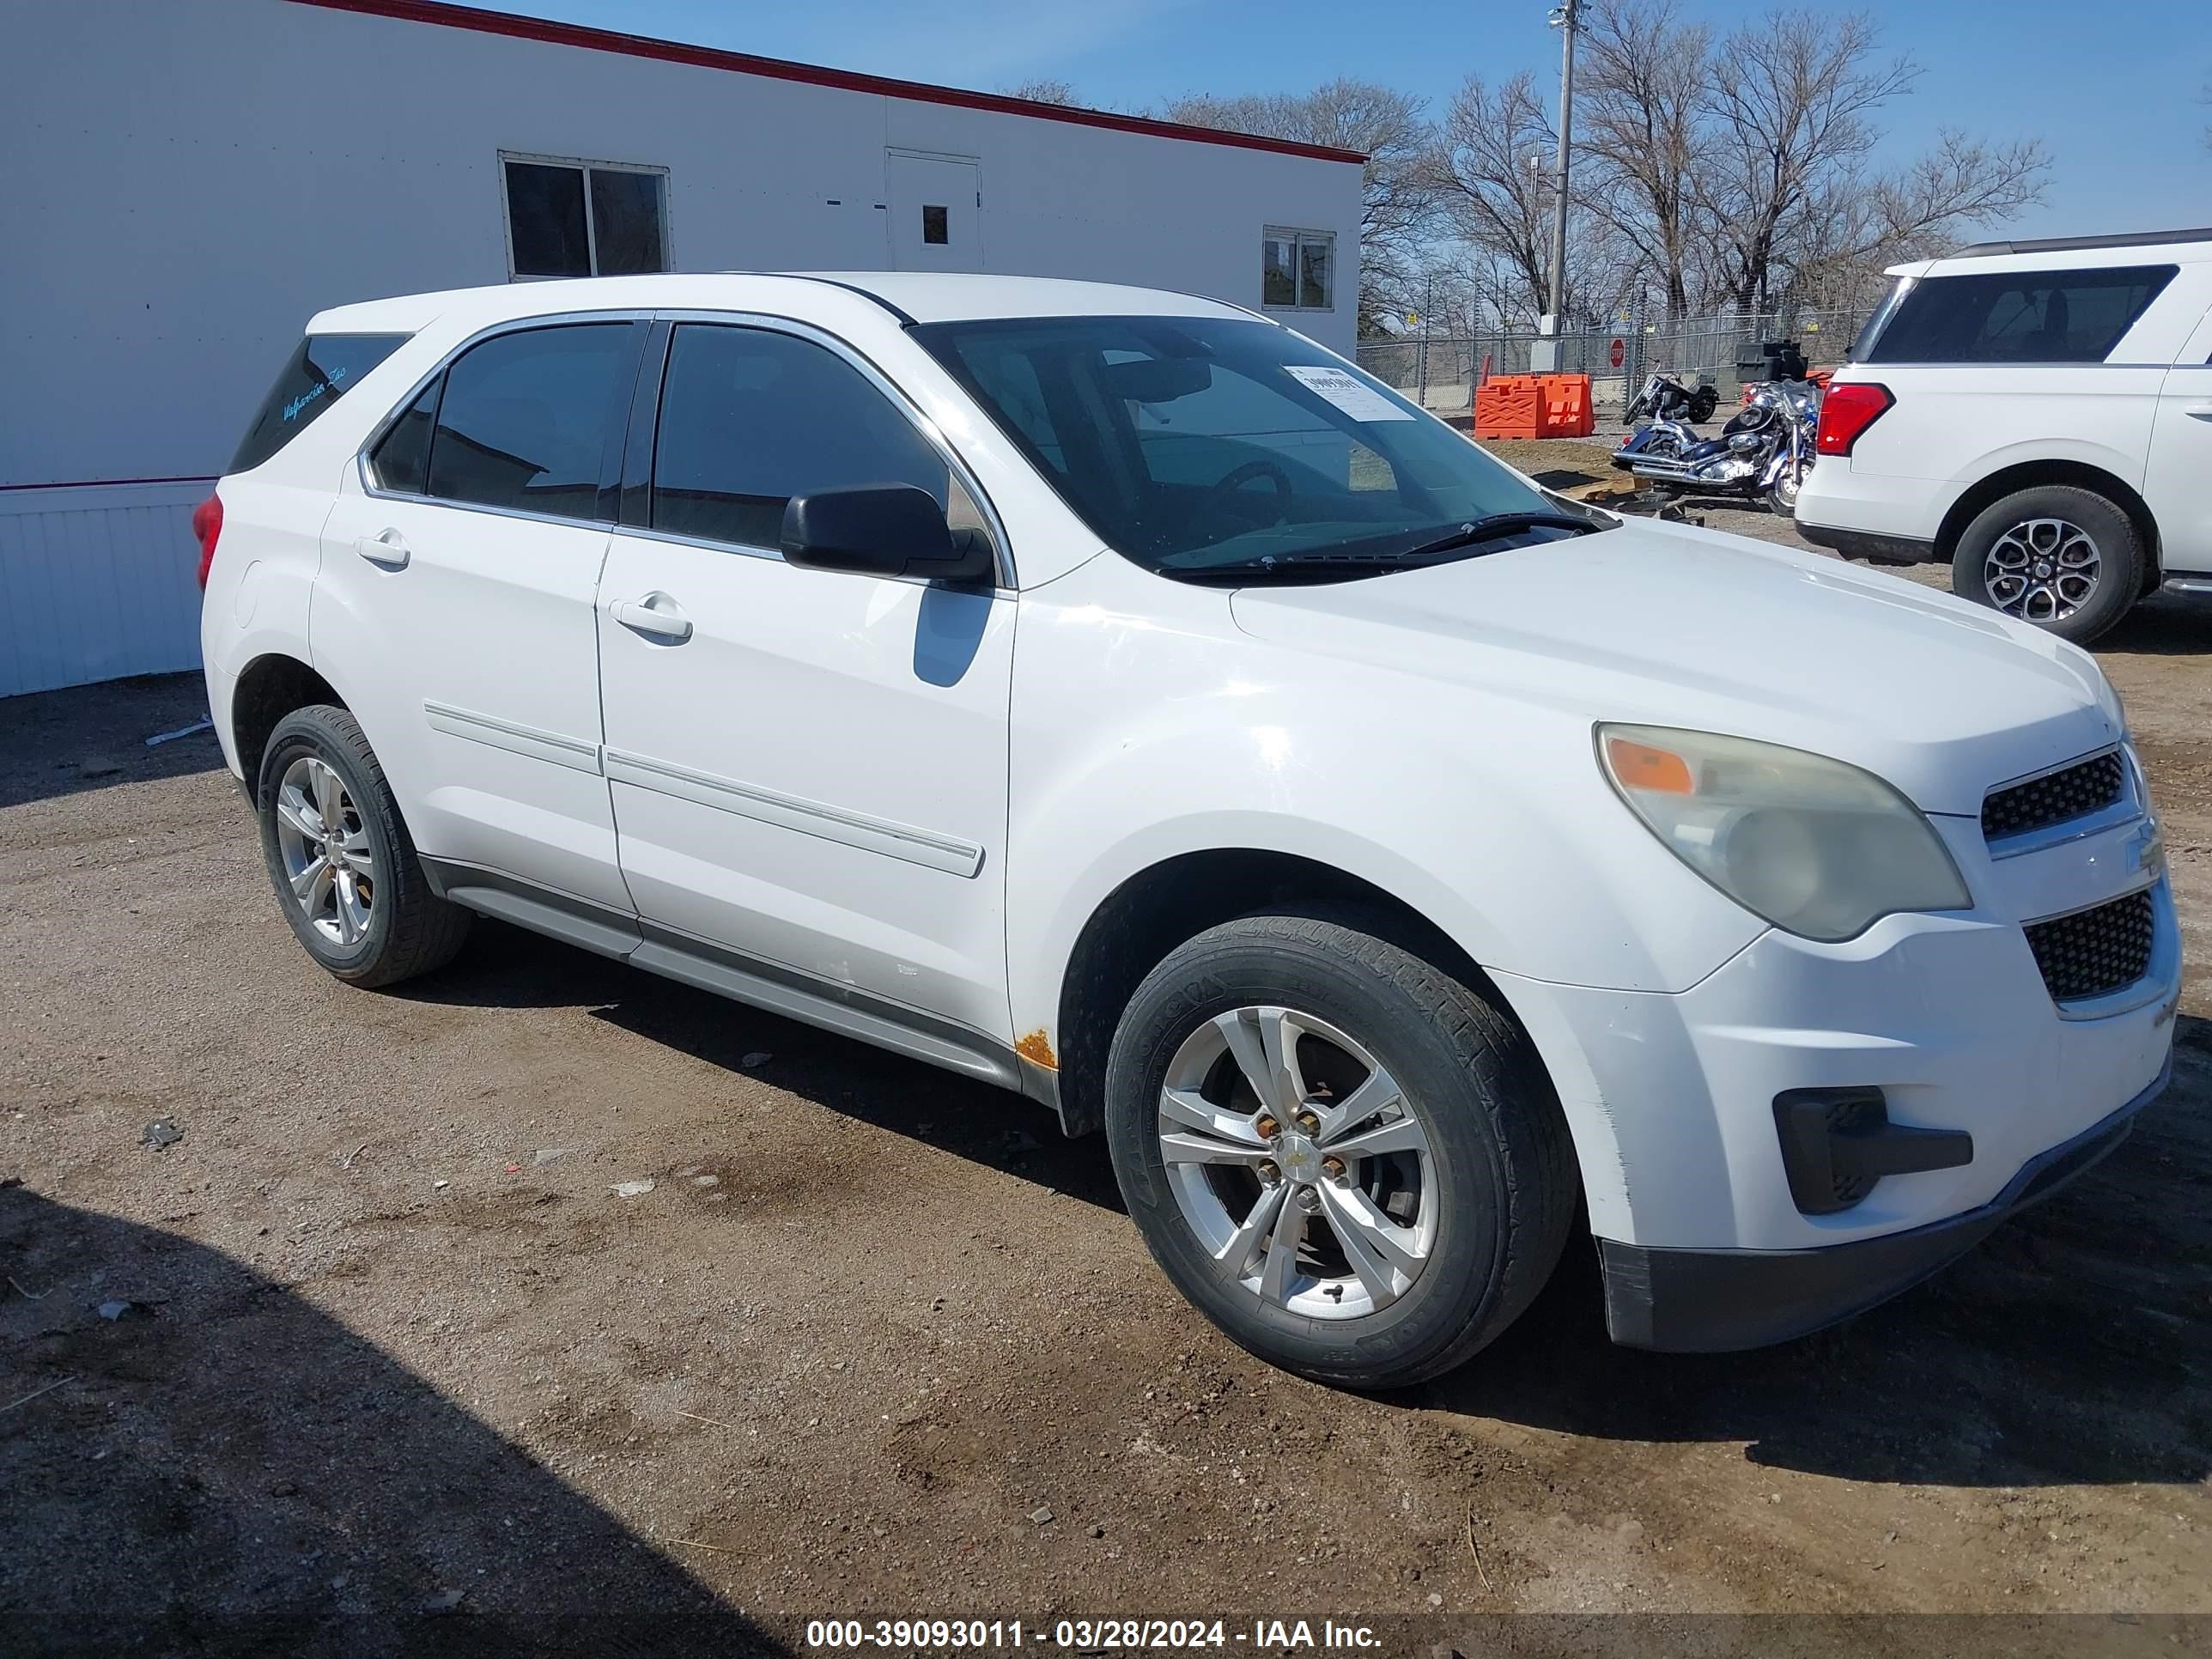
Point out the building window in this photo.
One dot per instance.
(1297, 270)
(934, 228)
(584, 218)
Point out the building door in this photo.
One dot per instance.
(937, 212)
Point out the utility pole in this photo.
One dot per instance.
(1566, 17)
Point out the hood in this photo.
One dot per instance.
(1668, 625)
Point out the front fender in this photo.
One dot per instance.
(1147, 726)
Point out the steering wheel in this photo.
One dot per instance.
(1237, 477)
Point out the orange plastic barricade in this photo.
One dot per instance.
(1567, 411)
(1534, 406)
(1508, 406)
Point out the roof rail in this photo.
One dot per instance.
(2067, 244)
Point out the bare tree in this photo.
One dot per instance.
(1790, 99)
(1397, 187)
(1491, 169)
(1046, 91)
(1640, 137)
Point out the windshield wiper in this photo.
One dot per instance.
(1495, 527)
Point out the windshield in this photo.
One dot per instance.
(1201, 447)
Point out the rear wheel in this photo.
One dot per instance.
(2063, 558)
(340, 858)
(1350, 1162)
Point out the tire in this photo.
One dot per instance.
(1789, 484)
(1703, 401)
(1490, 1198)
(2051, 528)
(371, 924)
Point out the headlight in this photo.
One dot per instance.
(1815, 847)
(2108, 701)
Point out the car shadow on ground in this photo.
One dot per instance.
(2072, 1346)
(58, 743)
(505, 967)
(2164, 625)
(226, 1469)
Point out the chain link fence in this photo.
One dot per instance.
(1440, 371)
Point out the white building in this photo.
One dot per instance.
(188, 180)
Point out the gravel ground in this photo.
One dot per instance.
(399, 1371)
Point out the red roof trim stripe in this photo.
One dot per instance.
(740, 63)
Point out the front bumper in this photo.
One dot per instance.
(1719, 1301)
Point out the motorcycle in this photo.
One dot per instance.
(1665, 398)
(1669, 409)
(1763, 452)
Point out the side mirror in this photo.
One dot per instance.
(882, 530)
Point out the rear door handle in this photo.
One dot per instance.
(655, 615)
(2199, 411)
(388, 549)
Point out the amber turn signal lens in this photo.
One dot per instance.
(1639, 766)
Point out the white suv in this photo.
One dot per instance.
(1113, 696)
(2037, 413)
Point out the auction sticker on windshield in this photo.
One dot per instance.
(1362, 403)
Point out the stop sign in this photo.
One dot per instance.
(1618, 352)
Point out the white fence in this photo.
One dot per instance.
(98, 582)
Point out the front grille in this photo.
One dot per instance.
(2073, 793)
(2092, 953)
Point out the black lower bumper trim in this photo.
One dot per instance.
(1865, 544)
(1721, 1301)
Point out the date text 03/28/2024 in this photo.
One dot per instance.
(1085, 1635)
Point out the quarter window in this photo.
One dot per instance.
(2019, 317)
(1297, 270)
(584, 218)
(750, 418)
(534, 421)
(402, 459)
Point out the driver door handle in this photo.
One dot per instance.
(655, 615)
(388, 549)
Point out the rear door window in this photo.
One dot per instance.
(2019, 317)
(319, 372)
(535, 419)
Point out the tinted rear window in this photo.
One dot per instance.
(2019, 317)
(314, 377)
(535, 419)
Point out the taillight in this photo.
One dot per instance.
(1846, 411)
(207, 524)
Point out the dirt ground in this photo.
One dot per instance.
(399, 1371)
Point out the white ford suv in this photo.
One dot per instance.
(2039, 414)
(1113, 696)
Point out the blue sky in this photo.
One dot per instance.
(2112, 89)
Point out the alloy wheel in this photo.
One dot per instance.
(2041, 570)
(329, 864)
(1298, 1162)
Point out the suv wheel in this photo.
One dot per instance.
(340, 857)
(1348, 1160)
(2066, 559)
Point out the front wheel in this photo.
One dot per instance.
(1789, 484)
(2063, 558)
(340, 858)
(1348, 1160)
